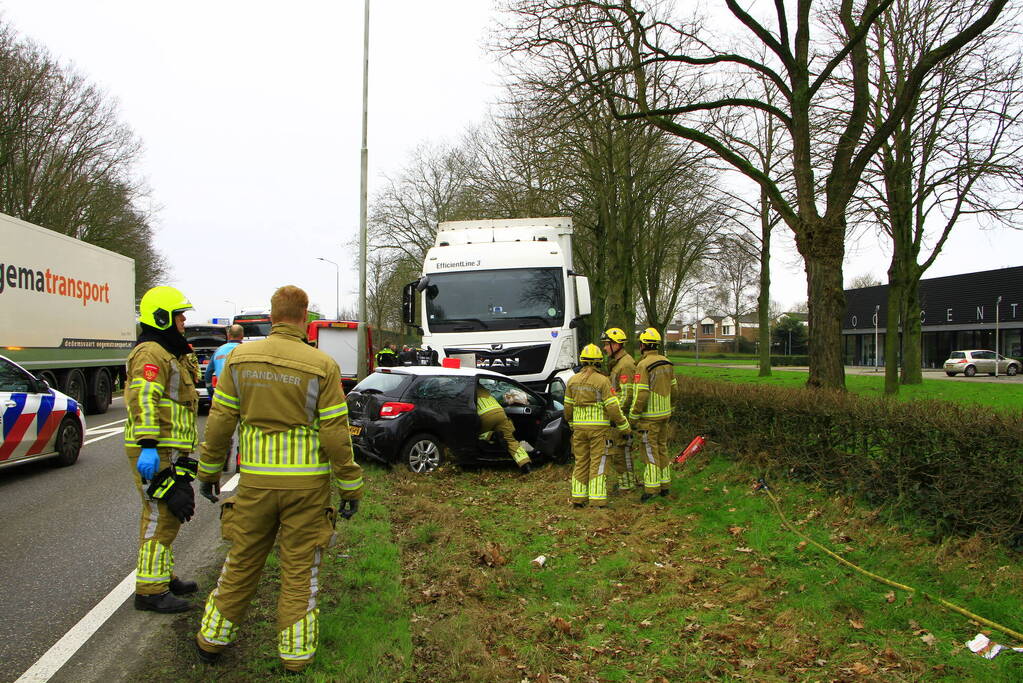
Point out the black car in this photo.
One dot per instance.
(205, 339)
(418, 415)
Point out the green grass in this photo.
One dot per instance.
(1007, 396)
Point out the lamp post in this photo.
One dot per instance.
(337, 290)
(877, 316)
(998, 303)
(234, 308)
(696, 332)
(363, 352)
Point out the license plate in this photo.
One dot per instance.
(354, 430)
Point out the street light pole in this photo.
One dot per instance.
(696, 332)
(362, 350)
(877, 316)
(234, 308)
(998, 303)
(337, 284)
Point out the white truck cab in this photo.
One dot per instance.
(502, 295)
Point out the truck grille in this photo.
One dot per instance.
(521, 360)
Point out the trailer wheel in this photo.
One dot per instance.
(72, 383)
(100, 392)
(50, 378)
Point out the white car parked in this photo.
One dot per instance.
(979, 360)
(38, 422)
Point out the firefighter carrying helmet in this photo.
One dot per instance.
(614, 334)
(590, 354)
(650, 337)
(160, 304)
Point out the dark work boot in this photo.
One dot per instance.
(645, 497)
(164, 603)
(179, 587)
(203, 655)
(664, 493)
(525, 468)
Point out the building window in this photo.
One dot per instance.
(726, 330)
(707, 330)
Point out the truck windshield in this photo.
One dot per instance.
(513, 299)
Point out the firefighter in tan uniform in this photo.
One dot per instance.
(161, 402)
(493, 418)
(622, 370)
(294, 435)
(650, 412)
(590, 407)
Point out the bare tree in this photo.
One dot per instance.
(734, 269)
(959, 152)
(864, 280)
(680, 75)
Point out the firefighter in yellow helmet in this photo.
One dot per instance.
(294, 434)
(622, 369)
(160, 433)
(650, 412)
(591, 406)
(493, 418)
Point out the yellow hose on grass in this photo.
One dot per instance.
(762, 486)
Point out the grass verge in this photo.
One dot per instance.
(1007, 396)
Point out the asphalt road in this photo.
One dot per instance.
(68, 536)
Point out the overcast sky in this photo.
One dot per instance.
(250, 114)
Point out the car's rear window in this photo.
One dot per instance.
(383, 382)
(957, 354)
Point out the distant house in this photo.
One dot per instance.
(795, 315)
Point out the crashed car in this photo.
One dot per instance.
(420, 416)
(205, 340)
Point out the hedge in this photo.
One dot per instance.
(958, 466)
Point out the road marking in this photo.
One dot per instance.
(108, 424)
(72, 641)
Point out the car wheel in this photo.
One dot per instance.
(73, 384)
(970, 371)
(68, 443)
(950, 374)
(1011, 370)
(422, 453)
(100, 392)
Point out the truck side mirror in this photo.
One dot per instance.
(408, 302)
(582, 295)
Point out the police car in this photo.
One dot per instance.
(38, 422)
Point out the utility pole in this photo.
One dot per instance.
(877, 316)
(696, 332)
(998, 303)
(362, 350)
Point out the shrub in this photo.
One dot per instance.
(958, 466)
(778, 361)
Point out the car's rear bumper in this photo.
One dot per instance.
(378, 440)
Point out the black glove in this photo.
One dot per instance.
(349, 508)
(209, 490)
(173, 486)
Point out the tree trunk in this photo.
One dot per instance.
(912, 336)
(823, 248)
(896, 292)
(764, 299)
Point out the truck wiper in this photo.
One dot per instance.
(544, 322)
(466, 320)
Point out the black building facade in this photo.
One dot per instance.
(958, 312)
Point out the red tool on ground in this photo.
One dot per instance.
(694, 447)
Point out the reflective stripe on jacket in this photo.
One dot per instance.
(294, 418)
(654, 379)
(591, 402)
(160, 398)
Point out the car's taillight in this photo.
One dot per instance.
(961, 360)
(393, 409)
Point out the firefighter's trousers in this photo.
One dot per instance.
(497, 420)
(302, 521)
(157, 530)
(591, 446)
(623, 462)
(653, 445)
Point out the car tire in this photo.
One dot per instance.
(1012, 370)
(422, 453)
(68, 443)
(100, 392)
(950, 374)
(970, 371)
(73, 384)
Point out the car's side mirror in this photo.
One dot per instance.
(42, 386)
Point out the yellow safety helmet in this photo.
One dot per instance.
(590, 354)
(614, 334)
(160, 304)
(650, 337)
